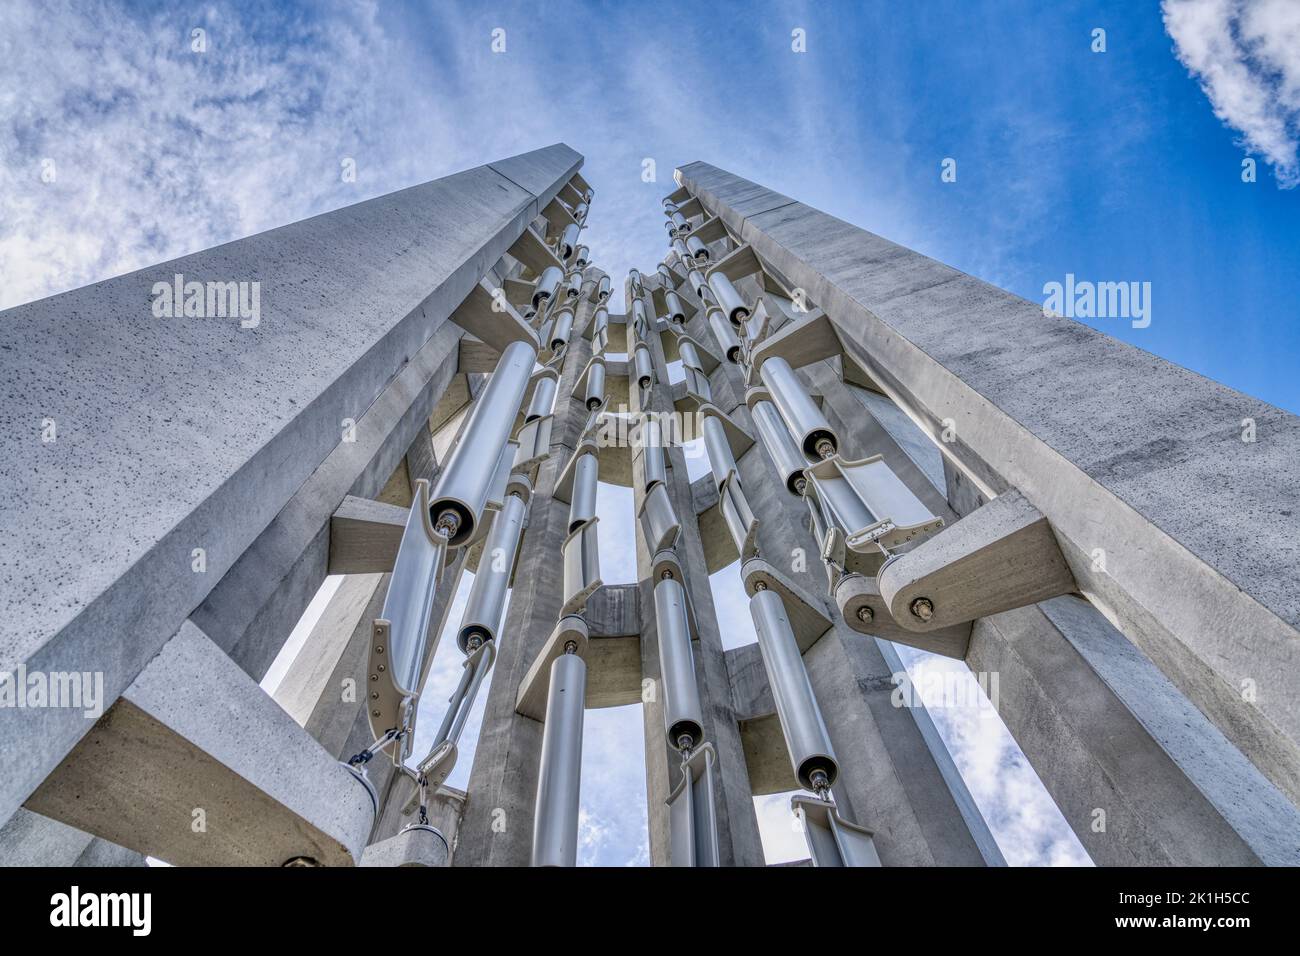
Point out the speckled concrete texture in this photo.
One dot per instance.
(176, 434)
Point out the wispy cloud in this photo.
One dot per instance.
(1246, 55)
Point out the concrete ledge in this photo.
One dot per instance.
(196, 765)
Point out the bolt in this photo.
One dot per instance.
(801, 485)
(923, 609)
(760, 585)
(475, 642)
(820, 782)
(570, 647)
(685, 742)
(826, 448)
(666, 574)
(447, 524)
(866, 615)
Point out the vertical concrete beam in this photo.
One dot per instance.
(1197, 529)
(132, 486)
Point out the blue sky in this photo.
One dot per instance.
(120, 145)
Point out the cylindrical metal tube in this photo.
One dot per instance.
(683, 715)
(690, 357)
(561, 329)
(695, 279)
(543, 400)
(725, 333)
(573, 284)
(805, 732)
(721, 460)
(781, 448)
(568, 241)
(644, 367)
(465, 481)
(800, 413)
(603, 288)
(680, 221)
(582, 500)
(634, 279)
(676, 311)
(580, 211)
(697, 249)
(671, 227)
(559, 776)
(653, 455)
(667, 275)
(582, 257)
(600, 330)
(488, 595)
(548, 283)
(679, 247)
(638, 311)
(728, 298)
(596, 386)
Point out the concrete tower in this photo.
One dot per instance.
(434, 381)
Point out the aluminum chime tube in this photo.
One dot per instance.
(644, 367)
(653, 456)
(543, 399)
(725, 334)
(466, 480)
(781, 448)
(582, 500)
(729, 299)
(676, 311)
(561, 329)
(568, 241)
(488, 595)
(683, 715)
(595, 397)
(721, 460)
(806, 737)
(559, 777)
(603, 288)
(800, 413)
(548, 283)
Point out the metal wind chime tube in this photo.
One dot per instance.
(487, 597)
(780, 447)
(465, 482)
(725, 333)
(561, 329)
(595, 395)
(603, 288)
(799, 412)
(683, 714)
(729, 299)
(582, 503)
(543, 399)
(547, 285)
(559, 778)
(568, 242)
(811, 755)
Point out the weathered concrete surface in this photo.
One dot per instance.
(157, 455)
(1122, 452)
(196, 765)
(29, 839)
(1102, 727)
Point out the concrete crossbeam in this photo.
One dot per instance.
(196, 765)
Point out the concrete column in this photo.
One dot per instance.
(1126, 455)
(1102, 727)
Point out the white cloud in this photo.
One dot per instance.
(1246, 55)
